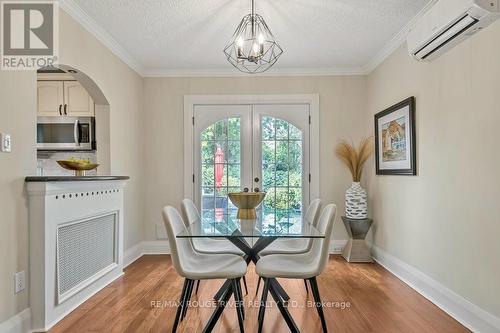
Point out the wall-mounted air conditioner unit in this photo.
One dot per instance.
(448, 23)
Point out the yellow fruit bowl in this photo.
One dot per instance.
(78, 167)
(246, 203)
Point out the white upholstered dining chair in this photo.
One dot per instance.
(207, 245)
(294, 245)
(305, 266)
(192, 266)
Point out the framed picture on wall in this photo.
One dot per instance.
(395, 148)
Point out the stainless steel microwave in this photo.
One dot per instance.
(65, 133)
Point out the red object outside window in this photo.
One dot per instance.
(219, 167)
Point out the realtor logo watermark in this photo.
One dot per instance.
(29, 34)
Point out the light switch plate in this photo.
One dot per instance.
(5, 143)
(19, 282)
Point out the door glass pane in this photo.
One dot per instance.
(282, 152)
(221, 167)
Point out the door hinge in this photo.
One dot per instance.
(193, 121)
(309, 178)
(193, 177)
(309, 120)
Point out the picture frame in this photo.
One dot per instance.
(395, 139)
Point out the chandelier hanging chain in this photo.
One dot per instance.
(253, 19)
(253, 48)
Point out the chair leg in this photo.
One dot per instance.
(262, 305)
(188, 298)
(258, 285)
(197, 287)
(181, 306)
(317, 301)
(226, 295)
(307, 289)
(245, 284)
(238, 299)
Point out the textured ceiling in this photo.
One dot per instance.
(190, 34)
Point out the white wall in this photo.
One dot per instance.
(446, 221)
(342, 116)
(124, 91)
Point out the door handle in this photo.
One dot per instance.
(65, 109)
(60, 112)
(76, 133)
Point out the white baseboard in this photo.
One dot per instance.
(156, 247)
(147, 247)
(162, 247)
(19, 323)
(465, 312)
(132, 254)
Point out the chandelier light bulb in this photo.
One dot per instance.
(240, 41)
(261, 39)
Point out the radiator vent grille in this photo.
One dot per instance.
(84, 249)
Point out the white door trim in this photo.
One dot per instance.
(191, 100)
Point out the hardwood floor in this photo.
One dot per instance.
(141, 300)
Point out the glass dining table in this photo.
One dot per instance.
(251, 237)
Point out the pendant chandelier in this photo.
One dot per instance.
(252, 49)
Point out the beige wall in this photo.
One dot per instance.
(18, 118)
(342, 115)
(445, 221)
(123, 89)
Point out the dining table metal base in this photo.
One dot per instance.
(252, 255)
(273, 286)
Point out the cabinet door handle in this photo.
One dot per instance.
(65, 109)
(60, 106)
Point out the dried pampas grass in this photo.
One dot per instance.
(353, 158)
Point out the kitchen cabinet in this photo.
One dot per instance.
(78, 102)
(64, 98)
(50, 98)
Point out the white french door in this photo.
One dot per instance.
(254, 146)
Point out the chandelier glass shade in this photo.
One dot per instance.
(253, 48)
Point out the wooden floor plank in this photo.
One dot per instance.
(144, 299)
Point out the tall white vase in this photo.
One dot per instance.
(356, 206)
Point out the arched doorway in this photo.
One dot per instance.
(102, 111)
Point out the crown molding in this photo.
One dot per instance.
(396, 41)
(77, 13)
(232, 72)
(80, 16)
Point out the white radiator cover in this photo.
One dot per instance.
(85, 251)
(76, 244)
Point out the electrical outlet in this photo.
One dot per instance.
(161, 232)
(19, 282)
(5, 143)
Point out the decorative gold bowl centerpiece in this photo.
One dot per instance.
(78, 166)
(246, 203)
